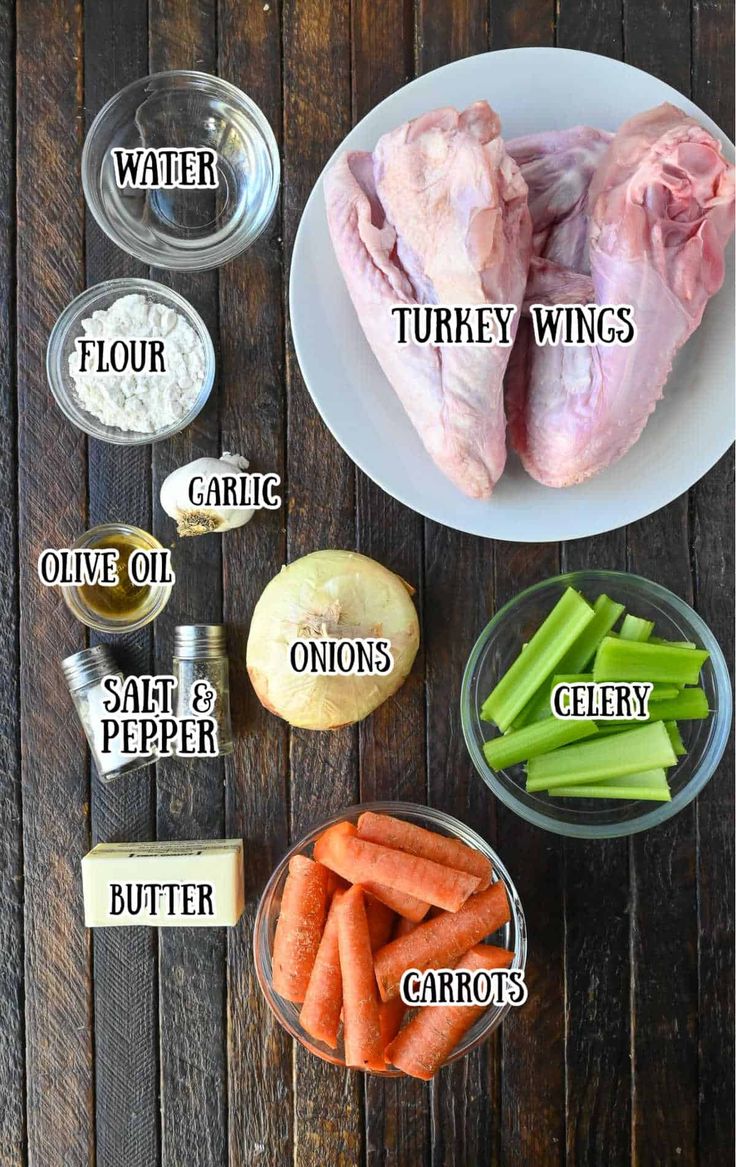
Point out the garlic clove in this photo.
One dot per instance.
(202, 520)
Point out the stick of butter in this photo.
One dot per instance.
(164, 885)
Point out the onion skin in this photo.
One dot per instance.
(337, 593)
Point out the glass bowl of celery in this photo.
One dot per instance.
(608, 776)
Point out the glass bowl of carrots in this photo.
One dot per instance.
(596, 778)
(318, 906)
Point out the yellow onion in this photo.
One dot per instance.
(329, 594)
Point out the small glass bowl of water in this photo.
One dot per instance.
(183, 228)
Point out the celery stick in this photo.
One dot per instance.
(532, 667)
(634, 628)
(650, 786)
(678, 744)
(672, 643)
(646, 748)
(628, 660)
(688, 705)
(664, 692)
(578, 656)
(526, 743)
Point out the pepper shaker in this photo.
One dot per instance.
(84, 672)
(200, 654)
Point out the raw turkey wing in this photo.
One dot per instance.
(651, 231)
(437, 214)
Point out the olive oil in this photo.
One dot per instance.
(124, 600)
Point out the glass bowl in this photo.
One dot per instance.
(183, 229)
(500, 643)
(511, 936)
(156, 601)
(69, 327)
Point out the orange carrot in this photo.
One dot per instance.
(438, 942)
(299, 927)
(404, 836)
(327, 851)
(320, 1014)
(403, 927)
(363, 863)
(335, 883)
(427, 1040)
(390, 1016)
(380, 922)
(361, 1023)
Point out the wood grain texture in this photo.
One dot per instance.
(125, 959)
(321, 491)
(712, 545)
(253, 423)
(12, 1054)
(191, 803)
(51, 474)
(598, 1071)
(392, 741)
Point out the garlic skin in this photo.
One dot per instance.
(191, 520)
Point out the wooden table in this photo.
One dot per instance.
(130, 1048)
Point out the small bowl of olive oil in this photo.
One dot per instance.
(125, 605)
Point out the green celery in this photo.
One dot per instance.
(672, 643)
(647, 747)
(649, 786)
(678, 744)
(664, 692)
(634, 628)
(531, 668)
(522, 744)
(628, 660)
(578, 656)
(688, 705)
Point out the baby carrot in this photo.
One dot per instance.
(320, 1013)
(327, 851)
(299, 927)
(404, 836)
(364, 862)
(427, 1040)
(380, 922)
(437, 943)
(390, 1016)
(361, 1022)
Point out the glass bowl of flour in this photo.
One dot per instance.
(130, 393)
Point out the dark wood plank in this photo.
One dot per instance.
(597, 1026)
(321, 515)
(52, 472)
(532, 1104)
(458, 599)
(596, 940)
(12, 1054)
(125, 959)
(712, 500)
(591, 27)
(533, 1098)
(192, 963)
(445, 32)
(392, 741)
(253, 423)
(664, 945)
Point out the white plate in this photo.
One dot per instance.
(532, 89)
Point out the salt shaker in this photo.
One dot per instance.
(84, 672)
(200, 654)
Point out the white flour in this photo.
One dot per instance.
(144, 402)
